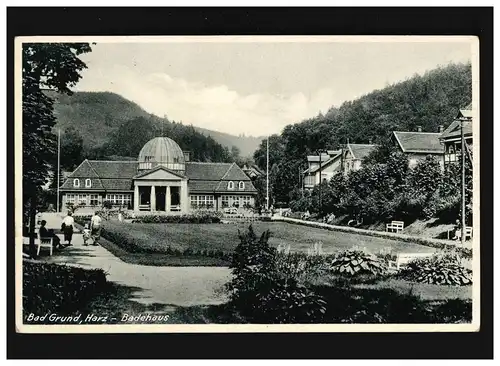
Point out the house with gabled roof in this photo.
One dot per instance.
(451, 138)
(354, 155)
(418, 145)
(330, 165)
(161, 180)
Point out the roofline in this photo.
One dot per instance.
(394, 133)
(325, 164)
(425, 151)
(158, 167)
(428, 133)
(116, 161)
(71, 174)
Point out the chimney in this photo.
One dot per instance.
(419, 128)
(441, 128)
(186, 156)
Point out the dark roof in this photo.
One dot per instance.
(215, 171)
(115, 169)
(419, 142)
(315, 158)
(360, 151)
(119, 175)
(326, 163)
(453, 130)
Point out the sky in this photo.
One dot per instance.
(256, 88)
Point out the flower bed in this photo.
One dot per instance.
(57, 288)
(200, 217)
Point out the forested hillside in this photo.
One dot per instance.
(429, 101)
(97, 117)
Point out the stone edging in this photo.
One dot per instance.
(429, 242)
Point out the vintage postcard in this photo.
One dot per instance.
(247, 184)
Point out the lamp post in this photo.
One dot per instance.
(462, 236)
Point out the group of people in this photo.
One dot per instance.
(91, 230)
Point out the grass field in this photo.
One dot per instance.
(224, 237)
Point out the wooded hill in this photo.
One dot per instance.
(99, 118)
(428, 100)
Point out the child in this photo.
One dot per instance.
(86, 234)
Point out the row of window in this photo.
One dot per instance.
(202, 201)
(236, 201)
(76, 183)
(86, 199)
(97, 199)
(230, 185)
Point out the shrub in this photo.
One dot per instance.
(57, 288)
(261, 292)
(200, 217)
(439, 269)
(357, 262)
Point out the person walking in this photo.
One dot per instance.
(95, 228)
(67, 228)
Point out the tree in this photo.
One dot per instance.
(71, 149)
(53, 66)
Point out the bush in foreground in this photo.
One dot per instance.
(58, 289)
(438, 270)
(262, 293)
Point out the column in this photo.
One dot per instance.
(153, 198)
(167, 199)
(184, 195)
(136, 198)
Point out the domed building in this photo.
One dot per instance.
(163, 179)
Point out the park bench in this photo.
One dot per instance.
(175, 208)
(402, 259)
(468, 233)
(42, 243)
(395, 226)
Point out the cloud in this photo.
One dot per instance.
(215, 107)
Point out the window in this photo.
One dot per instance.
(241, 185)
(70, 198)
(246, 201)
(88, 183)
(119, 199)
(230, 185)
(202, 201)
(82, 199)
(94, 199)
(76, 183)
(225, 201)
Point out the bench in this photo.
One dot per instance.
(395, 226)
(468, 233)
(42, 243)
(403, 259)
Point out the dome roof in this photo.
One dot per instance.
(161, 150)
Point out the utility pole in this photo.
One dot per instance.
(58, 164)
(462, 238)
(320, 151)
(267, 175)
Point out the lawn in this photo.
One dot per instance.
(224, 237)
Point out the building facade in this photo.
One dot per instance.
(452, 136)
(330, 165)
(354, 155)
(418, 145)
(161, 180)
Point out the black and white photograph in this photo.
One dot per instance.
(251, 183)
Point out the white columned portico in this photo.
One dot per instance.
(136, 198)
(153, 198)
(167, 199)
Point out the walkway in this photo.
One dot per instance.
(179, 286)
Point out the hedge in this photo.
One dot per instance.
(58, 288)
